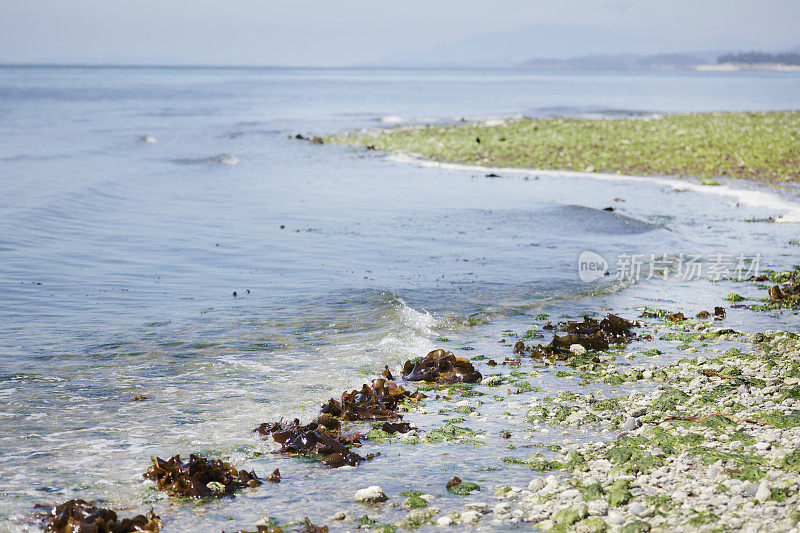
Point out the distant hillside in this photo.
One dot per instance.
(624, 61)
(514, 47)
(757, 58)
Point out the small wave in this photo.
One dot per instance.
(748, 197)
(222, 159)
(491, 120)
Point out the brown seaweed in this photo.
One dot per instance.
(324, 435)
(441, 367)
(314, 439)
(594, 335)
(311, 528)
(199, 477)
(79, 516)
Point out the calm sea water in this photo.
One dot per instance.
(119, 258)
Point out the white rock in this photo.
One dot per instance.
(631, 424)
(480, 507)
(637, 509)
(615, 518)
(577, 349)
(763, 493)
(536, 485)
(371, 494)
(444, 521)
(149, 139)
(597, 507)
(502, 507)
(470, 517)
(339, 516)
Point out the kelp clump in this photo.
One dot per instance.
(591, 334)
(314, 439)
(199, 477)
(441, 367)
(81, 516)
(324, 435)
(594, 335)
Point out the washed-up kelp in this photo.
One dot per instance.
(441, 367)
(594, 335)
(378, 402)
(324, 436)
(78, 516)
(199, 477)
(314, 439)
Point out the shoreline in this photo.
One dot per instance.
(753, 198)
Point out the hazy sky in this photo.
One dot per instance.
(325, 32)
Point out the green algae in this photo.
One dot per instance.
(570, 515)
(608, 404)
(414, 499)
(591, 492)
(791, 462)
(591, 525)
(464, 488)
(669, 399)
(449, 433)
(618, 493)
(637, 526)
(706, 145)
(781, 420)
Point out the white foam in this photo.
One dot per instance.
(752, 198)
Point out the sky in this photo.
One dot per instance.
(347, 32)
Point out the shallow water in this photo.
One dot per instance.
(118, 260)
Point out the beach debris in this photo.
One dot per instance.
(264, 528)
(440, 366)
(775, 293)
(492, 175)
(148, 139)
(199, 477)
(373, 494)
(80, 516)
(275, 476)
(311, 528)
(140, 398)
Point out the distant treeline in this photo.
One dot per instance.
(787, 58)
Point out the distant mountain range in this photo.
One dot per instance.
(544, 46)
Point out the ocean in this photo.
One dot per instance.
(233, 294)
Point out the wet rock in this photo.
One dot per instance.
(719, 312)
(226, 159)
(373, 494)
(199, 477)
(470, 517)
(631, 423)
(775, 293)
(702, 315)
(275, 476)
(78, 516)
(577, 349)
(443, 521)
(441, 367)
